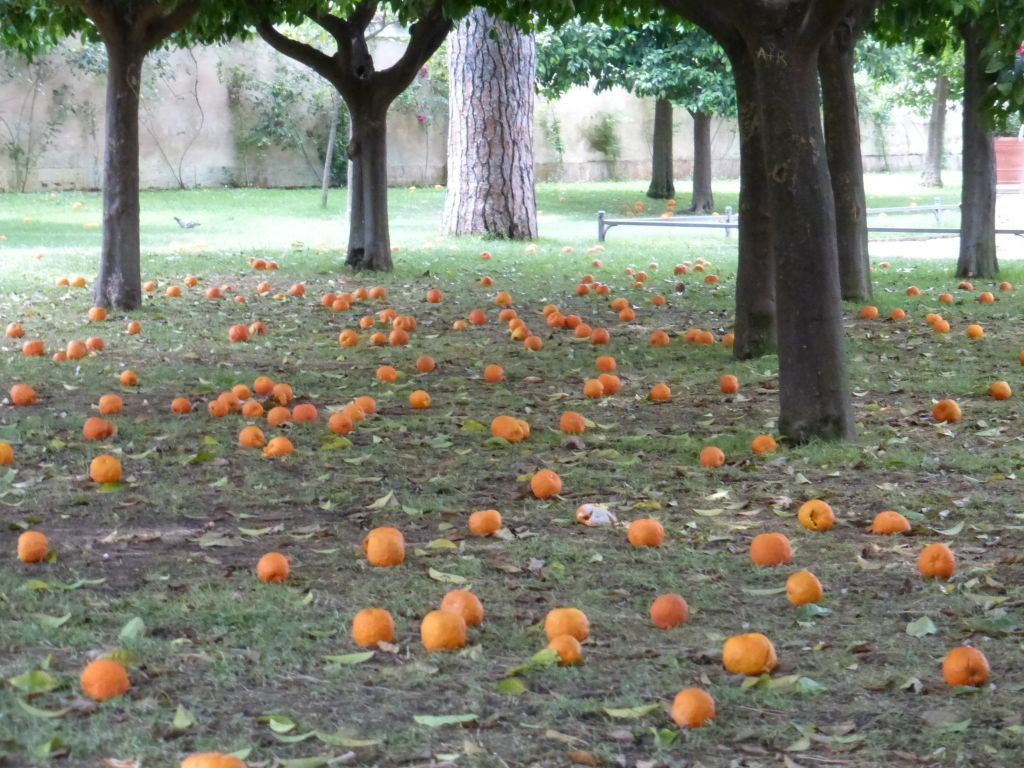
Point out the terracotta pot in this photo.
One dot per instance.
(1010, 161)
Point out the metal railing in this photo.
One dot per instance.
(730, 221)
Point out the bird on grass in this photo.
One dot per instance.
(186, 223)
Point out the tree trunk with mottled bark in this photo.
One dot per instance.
(662, 173)
(754, 327)
(931, 176)
(492, 67)
(703, 200)
(978, 201)
(842, 146)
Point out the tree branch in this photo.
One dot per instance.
(425, 36)
(316, 60)
(165, 25)
(363, 14)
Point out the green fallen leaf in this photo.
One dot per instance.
(336, 444)
(349, 659)
(305, 762)
(344, 740)
(183, 718)
(36, 681)
(446, 578)
(664, 737)
(437, 721)
(383, 501)
(631, 713)
(442, 544)
(512, 686)
(472, 425)
(51, 622)
(47, 748)
(294, 738)
(921, 627)
(279, 723)
(133, 630)
(49, 714)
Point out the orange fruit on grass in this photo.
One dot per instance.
(282, 393)
(1000, 390)
(22, 395)
(986, 298)
(692, 708)
(425, 364)
(434, 296)
(645, 532)
(975, 331)
(6, 454)
(443, 631)
(889, 522)
(477, 317)
(965, 666)
(366, 403)
(763, 444)
(419, 399)
(913, 291)
(33, 547)
(493, 374)
(868, 312)
(96, 428)
(339, 423)
(305, 412)
(611, 383)
(568, 650)
(252, 410)
(946, 410)
(278, 446)
(14, 331)
(545, 483)
(749, 654)
(278, 415)
(729, 384)
(803, 587)
(172, 292)
(384, 547)
(510, 428)
(348, 338)
(272, 568)
(533, 343)
(110, 404)
(580, 331)
(946, 298)
(669, 610)
(936, 561)
(371, 626)
(566, 621)
(128, 378)
(386, 373)
(941, 326)
(1005, 286)
(354, 411)
(712, 457)
(94, 343)
(398, 338)
(97, 314)
(897, 314)
(593, 388)
(660, 393)
(263, 386)
(605, 363)
(32, 348)
(211, 760)
(572, 423)
(251, 437)
(484, 522)
(600, 336)
(816, 515)
(466, 604)
(105, 469)
(181, 405)
(770, 549)
(104, 679)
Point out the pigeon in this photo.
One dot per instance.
(186, 223)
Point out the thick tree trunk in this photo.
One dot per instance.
(703, 200)
(369, 245)
(492, 67)
(662, 177)
(755, 283)
(119, 283)
(813, 386)
(931, 176)
(978, 202)
(842, 145)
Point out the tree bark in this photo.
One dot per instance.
(662, 173)
(332, 136)
(492, 67)
(119, 282)
(368, 93)
(978, 203)
(846, 167)
(703, 199)
(754, 327)
(813, 385)
(931, 176)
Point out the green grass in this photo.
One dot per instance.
(176, 544)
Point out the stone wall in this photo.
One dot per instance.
(191, 126)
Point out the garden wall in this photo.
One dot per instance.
(200, 107)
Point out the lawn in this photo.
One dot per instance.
(158, 571)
